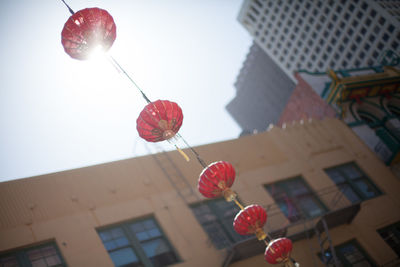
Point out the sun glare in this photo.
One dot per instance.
(97, 52)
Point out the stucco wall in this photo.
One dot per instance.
(69, 206)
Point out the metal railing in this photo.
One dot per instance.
(303, 226)
(332, 198)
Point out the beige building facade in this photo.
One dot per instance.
(146, 211)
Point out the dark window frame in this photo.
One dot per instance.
(134, 243)
(342, 258)
(392, 232)
(357, 245)
(22, 257)
(228, 236)
(351, 183)
(287, 199)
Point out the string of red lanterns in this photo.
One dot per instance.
(215, 181)
(94, 28)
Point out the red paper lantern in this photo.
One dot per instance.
(87, 30)
(216, 179)
(159, 121)
(251, 220)
(278, 250)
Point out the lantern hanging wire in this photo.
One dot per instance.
(119, 68)
(69, 8)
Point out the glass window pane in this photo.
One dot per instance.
(349, 193)
(9, 261)
(335, 176)
(105, 235)
(353, 183)
(223, 205)
(230, 212)
(155, 247)
(38, 256)
(203, 213)
(366, 188)
(123, 257)
(351, 253)
(121, 242)
(110, 245)
(275, 190)
(53, 260)
(142, 236)
(298, 201)
(297, 188)
(216, 217)
(149, 224)
(290, 210)
(164, 259)
(154, 232)
(310, 206)
(391, 235)
(137, 227)
(48, 251)
(39, 263)
(34, 254)
(117, 232)
(217, 235)
(351, 171)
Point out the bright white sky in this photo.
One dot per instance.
(57, 113)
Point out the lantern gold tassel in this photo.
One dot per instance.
(238, 203)
(260, 234)
(182, 153)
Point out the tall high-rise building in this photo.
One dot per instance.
(315, 35)
(262, 90)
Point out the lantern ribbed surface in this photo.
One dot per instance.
(250, 220)
(216, 178)
(87, 30)
(159, 120)
(278, 250)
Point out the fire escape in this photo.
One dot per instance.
(174, 175)
(341, 212)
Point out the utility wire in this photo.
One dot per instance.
(119, 68)
(70, 9)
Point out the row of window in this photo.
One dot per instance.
(143, 243)
(348, 254)
(294, 198)
(137, 243)
(344, 28)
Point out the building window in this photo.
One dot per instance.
(391, 235)
(138, 243)
(41, 256)
(353, 183)
(350, 254)
(295, 199)
(216, 217)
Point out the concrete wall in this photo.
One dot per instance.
(69, 206)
